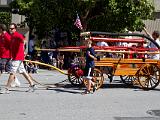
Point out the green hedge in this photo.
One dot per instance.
(5, 18)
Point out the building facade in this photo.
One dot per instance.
(5, 2)
(152, 25)
(15, 18)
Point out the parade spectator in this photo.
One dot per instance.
(155, 37)
(60, 60)
(17, 56)
(31, 46)
(55, 57)
(89, 68)
(31, 67)
(44, 54)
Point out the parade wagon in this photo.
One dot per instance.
(133, 62)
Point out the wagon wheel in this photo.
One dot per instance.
(98, 79)
(128, 79)
(75, 80)
(148, 76)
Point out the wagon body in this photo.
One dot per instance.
(142, 69)
(131, 69)
(124, 66)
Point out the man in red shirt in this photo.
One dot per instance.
(17, 56)
(5, 55)
(4, 47)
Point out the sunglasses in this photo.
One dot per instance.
(11, 28)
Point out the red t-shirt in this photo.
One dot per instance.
(17, 46)
(5, 40)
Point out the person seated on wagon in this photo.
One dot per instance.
(102, 44)
(155, 37)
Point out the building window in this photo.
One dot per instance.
(9, 1)
(3, 2)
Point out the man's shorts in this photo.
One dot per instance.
(4, 64)
(17, 66)
(88, 73)
(3, 61)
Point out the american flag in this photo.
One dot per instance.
(77, 23)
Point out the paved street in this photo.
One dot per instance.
(65, 102)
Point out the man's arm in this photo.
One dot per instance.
(145, 30)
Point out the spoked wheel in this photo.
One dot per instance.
(74, 79)
(148, 76)
(98, 79)
(128, 79)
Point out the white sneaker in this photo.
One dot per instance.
(15, 83)
(4, 91)
(32, 88)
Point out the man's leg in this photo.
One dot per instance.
(28, 78)
(10, 80)
(32, 86)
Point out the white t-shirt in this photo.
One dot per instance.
(151, 45)
(102, 43)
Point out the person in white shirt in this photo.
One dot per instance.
(155, 36)
(102, 43)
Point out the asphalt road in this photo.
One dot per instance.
(65, 102)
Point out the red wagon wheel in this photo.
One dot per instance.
(148, 76)
(74, 79)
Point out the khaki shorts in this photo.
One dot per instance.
(17, 66)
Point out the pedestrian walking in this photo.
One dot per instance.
(17, 56)
(5, 55)
(4, 47)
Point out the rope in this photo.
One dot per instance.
(48, 65)
(47, 86)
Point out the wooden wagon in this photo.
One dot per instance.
(136, 68)
(133, 64)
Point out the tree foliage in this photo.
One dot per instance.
(5, 18)
(97, 15)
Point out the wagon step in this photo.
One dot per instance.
(126, 71)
